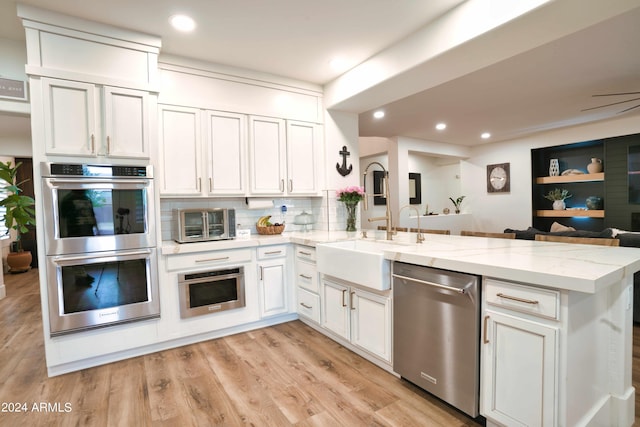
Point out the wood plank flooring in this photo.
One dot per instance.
(283, 375)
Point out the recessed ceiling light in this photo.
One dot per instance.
(182, 23)
(441, 126)
(378, 114)
(485, 135)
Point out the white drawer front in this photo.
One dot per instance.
(306, 253)
(275, 251)
(309, 305)
(207, 259)
(307, 276)
(526, 299)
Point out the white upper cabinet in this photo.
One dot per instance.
(284, 157)
(180, 143)
(226, 153)
(202, 152)
(83, 119)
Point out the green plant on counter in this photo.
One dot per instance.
(557, 194)
(457, 202)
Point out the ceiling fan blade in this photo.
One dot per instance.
(628, 109)
(609, 105)
(616, 94)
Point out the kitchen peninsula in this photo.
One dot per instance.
(583, 322)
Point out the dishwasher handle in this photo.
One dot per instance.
(424, 282)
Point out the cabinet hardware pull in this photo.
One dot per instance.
(93, 144)
(305, 276)
(282, 185)
(305, 305)
(526, 301)
(261, 273)
(344, 304)
(351, 301)
(212, 259)
(199, 185)
(108, 145)
(290, 185)
(273, 252)
(485, 339)
(210, 184)
(304, 253)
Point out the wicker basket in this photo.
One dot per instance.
(272, 229)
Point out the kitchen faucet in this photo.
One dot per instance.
(386, 195)
(420, 236)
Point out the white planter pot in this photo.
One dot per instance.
(559, 205)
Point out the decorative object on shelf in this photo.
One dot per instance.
(351, 196)
(594, 202)
(558, 196)
(572, 172)
(343, 169)
(498, 179)
(595, 166)
(265, 227)
(457, 202)
(446, 211)
(554, 167)
(19, 213)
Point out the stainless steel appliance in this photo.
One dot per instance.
(436, 332)
(212, 291)
(97, 207)
(197, 225)
(100, 245)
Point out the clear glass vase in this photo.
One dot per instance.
(351, 215)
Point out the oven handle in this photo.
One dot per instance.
(55, 181)
(96, 255)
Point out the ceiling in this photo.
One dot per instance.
(544, 88)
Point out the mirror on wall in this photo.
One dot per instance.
(415, 190)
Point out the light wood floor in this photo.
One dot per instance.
(282, 375)
(278, 376)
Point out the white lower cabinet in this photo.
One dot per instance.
(272, 280)
(519, 384)
(360, 317)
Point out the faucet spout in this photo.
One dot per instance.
(386, 194)
(419, 236)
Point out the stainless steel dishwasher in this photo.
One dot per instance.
(436, 332)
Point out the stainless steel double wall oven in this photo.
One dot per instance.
(100, 245)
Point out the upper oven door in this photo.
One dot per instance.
(98, 214)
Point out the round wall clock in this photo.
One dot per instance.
(498, 179)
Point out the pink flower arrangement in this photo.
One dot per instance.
(350, 194)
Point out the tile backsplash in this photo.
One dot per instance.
(328, 213)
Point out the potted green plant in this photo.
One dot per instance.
(558, 196)
(457, 202)
(19, 213)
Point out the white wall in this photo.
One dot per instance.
(497, 211)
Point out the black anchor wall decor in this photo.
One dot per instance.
(343, 169)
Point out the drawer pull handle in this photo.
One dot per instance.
(306, 306)
(351, 300)
(485, 339)
(212, 259)
(526, 301)
(273, 252)
(305, 253)
(344, 304)
(306, 277)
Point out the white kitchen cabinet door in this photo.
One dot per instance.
(371, 323)
(267, 148)
(334, 303)
(71, 117)
(273, 287)
(304, 159)
(126, 128)
(519, 371)
(180, 151)
(226, 153)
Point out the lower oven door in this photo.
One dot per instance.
(101, 289)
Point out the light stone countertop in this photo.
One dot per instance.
(574, 267)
